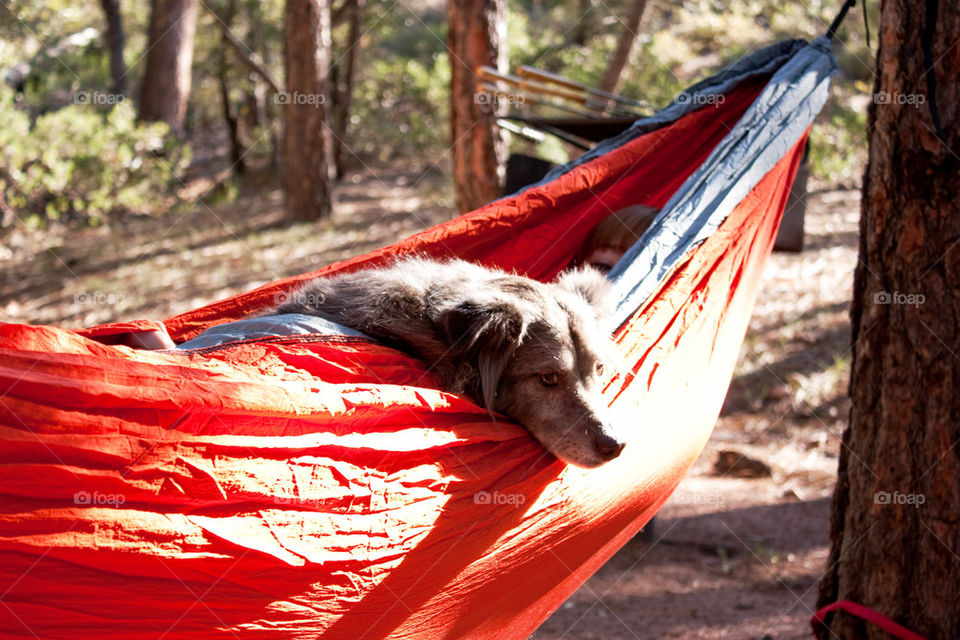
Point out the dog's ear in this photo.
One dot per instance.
(482, 337)
(591, 285)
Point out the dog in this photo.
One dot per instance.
(535, 352)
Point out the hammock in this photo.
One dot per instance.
(308, 485)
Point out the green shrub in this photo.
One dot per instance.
(78, 163)
(838, 143)
(400, 111)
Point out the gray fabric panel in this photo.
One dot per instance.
(284, 324)
(765, 133)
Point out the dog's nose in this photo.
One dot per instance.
(608, 447)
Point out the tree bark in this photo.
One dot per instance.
(166, 79)
(307, 141)
(115, 41)
(260, 99)
(895, 523)
(476, 37)
(580, 30)
(631, 27)
(230, 116)
(343, 95)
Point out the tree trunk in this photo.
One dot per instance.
(115, 40)
(476, 37)
(306, 143)
(895, 525)
(166, 80)
(345, 79)
(614, 71)
(230, 116)
(262, 101)
(581, 28)
(7, 214)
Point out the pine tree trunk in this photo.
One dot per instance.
(266, 101)
(306, 138)
(583, 24)
(166, 79)
(895, 525)
(230, 116)
(345, 81)
(115, 40)
(631, 27)
(476, 37)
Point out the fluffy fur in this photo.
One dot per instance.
(534, 351)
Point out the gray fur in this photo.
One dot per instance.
(492, 336)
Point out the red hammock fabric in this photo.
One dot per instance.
(294, 487)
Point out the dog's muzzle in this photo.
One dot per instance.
(607, 446)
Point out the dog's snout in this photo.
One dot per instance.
(608, 447)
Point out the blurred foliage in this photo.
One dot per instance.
(70, 150)
(401, 100)
(84, 161)
(77, 163)
(682, 42)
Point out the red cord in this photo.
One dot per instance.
(867, 614)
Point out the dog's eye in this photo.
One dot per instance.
(549, 379)
(599, 368)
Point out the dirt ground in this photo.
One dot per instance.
(729, 556)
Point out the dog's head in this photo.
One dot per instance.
(540, 354)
